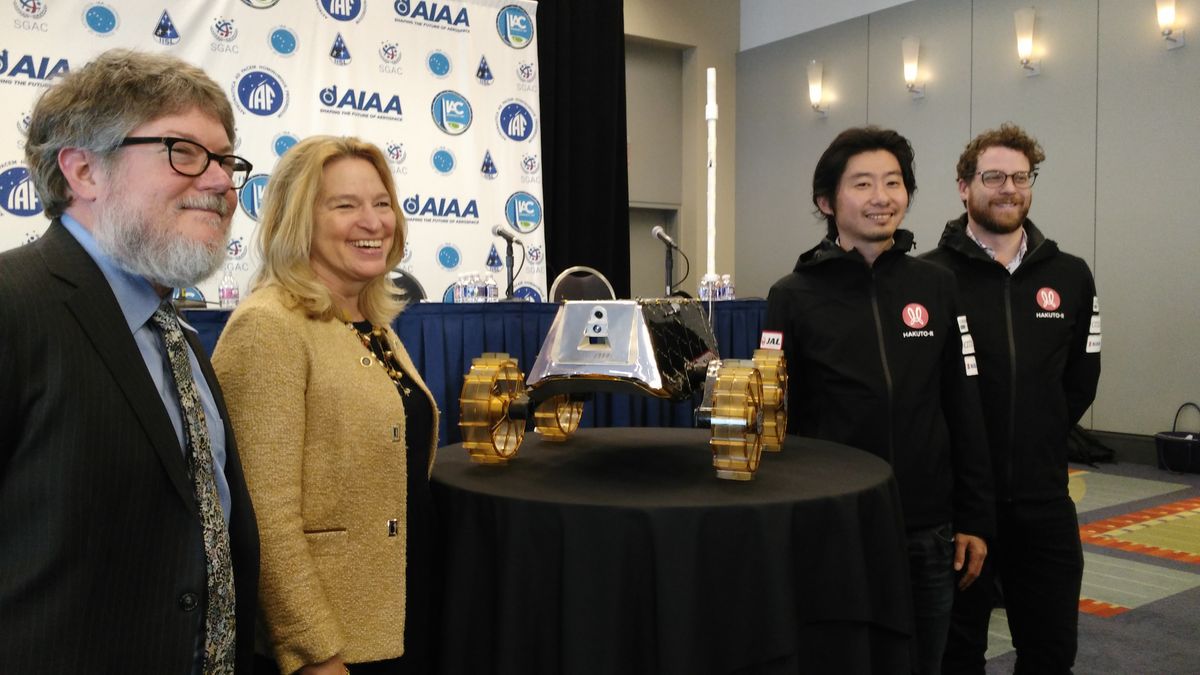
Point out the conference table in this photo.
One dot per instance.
(443, 338)
(619, 551)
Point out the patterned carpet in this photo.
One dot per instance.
(1140, 604)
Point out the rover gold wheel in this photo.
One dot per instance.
(557, 417)
(773, 368)
(737, 420)
(489, 434)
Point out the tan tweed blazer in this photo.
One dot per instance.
(322, 442)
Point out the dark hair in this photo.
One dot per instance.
(1008, 136)
(851, 142)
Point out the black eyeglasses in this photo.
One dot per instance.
(189, 158)
(994, 179)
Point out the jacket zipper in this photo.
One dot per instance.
(1012, 387)
(887, 373)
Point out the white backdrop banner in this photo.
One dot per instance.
(448, 90)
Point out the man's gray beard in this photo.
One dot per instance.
(162, 257)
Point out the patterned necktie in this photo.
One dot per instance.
(219, 613)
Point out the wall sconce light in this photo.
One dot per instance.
(1166, 23)
(911, 48)
(814, 88)
(1024, 22)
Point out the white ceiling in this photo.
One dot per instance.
(764, 21)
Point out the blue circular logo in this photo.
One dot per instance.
(251, 195)
(282, 143)
(342, 10)
(17, 194)
(448, 296)
(515, 27)
(451, 112)
(528, 292)
(516, 121)
(443, 161)
(100, 19)
(283, 41)
(448, 256)
(438, 62)
(523, 212)
(260, 92)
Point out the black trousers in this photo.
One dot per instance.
(1038, 560)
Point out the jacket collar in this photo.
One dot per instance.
(827, 250)
(955, 238)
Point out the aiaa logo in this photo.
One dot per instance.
(515, 120)
(1048, 299)
(31, 9)
(432, 208)
(523, 212)
(224, 30)
(251, 195)
(514, 26)
(361, 103)
(31, 67)
(339, 53)
(451, 112)
(17, 195)
(260, 91)
(431, 13)
(101, 19)
(165, 31)
(915, 316)
(342, 10)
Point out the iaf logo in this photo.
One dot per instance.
(251, 195)
(523, 212)
(282, 40)
(451, 112)
(514, 26)
(528, 292)
(100, 19)
(17, 194)
(341, 10)
(260, 91)
(515, 120)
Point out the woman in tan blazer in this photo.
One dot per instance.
(337, 429)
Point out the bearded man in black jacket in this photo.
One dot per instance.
(880, 358)
(1036, 322)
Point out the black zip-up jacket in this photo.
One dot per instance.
(1037, 334)
(875, 361)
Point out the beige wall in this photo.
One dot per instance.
(707, 30)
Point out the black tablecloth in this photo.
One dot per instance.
(619, 551)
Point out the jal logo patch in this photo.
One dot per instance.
(915, 316)
(1048, 299)
(771, 339)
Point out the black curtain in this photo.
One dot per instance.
(585, 176)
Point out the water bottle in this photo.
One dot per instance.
(227, 291)
(726, 287)
(493, 289)
(458, 289)
(708, 287)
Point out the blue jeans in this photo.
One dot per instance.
(931, 572)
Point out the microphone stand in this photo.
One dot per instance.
(668, 267)
(508, 266)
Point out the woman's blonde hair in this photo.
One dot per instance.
(286, 226)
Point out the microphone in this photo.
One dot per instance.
(505, 234)
(662, 236)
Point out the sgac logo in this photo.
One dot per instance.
(23, 123)
(915, 315)
(515, 120)
(438, 63)
(236, 248)
(165, 32)
(431, 13)
(435, 208)
(1048, 299)
(523, 212)
(526, 72)
(283, 142)
(224, 30)
(484, 73)
(361, 103)
(389, 53)
(443, 161)
(251, 195)
(339, 53)
(515, 27)
(32, 67)
(395, 153)
(530, 164)
(341, 10)
(535, 255)
(31, 9)
(448, 256)
(451, 112)
(282, 40)
(101, 19)
(260, 91)
(17, 194)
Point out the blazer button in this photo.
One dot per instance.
(188, 602)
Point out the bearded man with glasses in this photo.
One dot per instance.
(1035, 319)
(128, 543)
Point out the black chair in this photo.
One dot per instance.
(409, 289)
(581, 283)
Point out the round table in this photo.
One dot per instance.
(619, 551)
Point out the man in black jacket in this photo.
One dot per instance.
(1036, 323)
(879, 358)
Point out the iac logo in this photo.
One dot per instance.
(515, 120)
(101, 19)
(515, 27)
(31, 67)
(441, 208)
(523, 212)
(432, 14)
(260, 91)
(361, 103)
(17, 194)
(451, 112)
(341, 10)
(252, 194)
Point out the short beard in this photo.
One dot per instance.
(146, 250)
(982, 218)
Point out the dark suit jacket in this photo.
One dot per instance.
(101, 545)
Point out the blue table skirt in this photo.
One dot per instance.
(443, 339)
